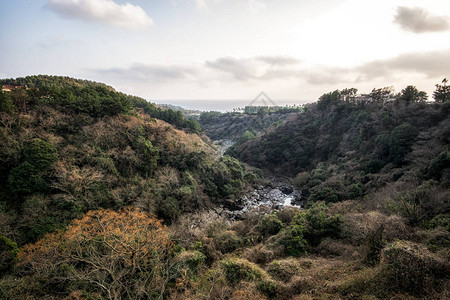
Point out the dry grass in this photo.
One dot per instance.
(260, 254)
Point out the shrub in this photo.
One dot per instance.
(327, 194)
(191, 261)
(237, 270)
(269, 225)
(420, 203)
(283, 269)
(28, 178)
(374, 246)
(119, 255)
(437, 165)
(291, 238)
(374, 166)
(354, 191)
(8, 254)
(301, 179)
(227, 242)
(287, 214)
(442, 221)
(168, 209)
(317, 224)
(268, 288)
(412, 268)
(251, 177)
(259, 254)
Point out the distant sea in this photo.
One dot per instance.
(225, 105)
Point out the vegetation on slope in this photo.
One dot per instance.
(118, 204)
(231, 126)
(65, 151)
(338, 150)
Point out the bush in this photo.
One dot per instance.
(149, 155)
(268, 288)
(291, 238)
(237, 270)
(8, 254)
(269, 225)
(440, 221)
(327, 194)
(191, 261)
(168, 209)
(227, 242)
(283, 269)
(412, 268)
(301, 179)
(317, 224)
(438, 165)
(354, 191)
(287, 214)
(374, 166)
(129, 248)
(374, 246)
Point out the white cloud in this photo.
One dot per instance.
(104, 11)
(151, 73)
(201, 4)
(261, 67)
(254, 6)
(419, 20)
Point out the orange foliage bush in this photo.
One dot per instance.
(123, 254)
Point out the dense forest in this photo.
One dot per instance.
(107, 196)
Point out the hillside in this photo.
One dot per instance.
(345, 150)
(107, 196)
(67, 150)
(231, 126)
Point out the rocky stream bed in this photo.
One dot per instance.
(271, 196)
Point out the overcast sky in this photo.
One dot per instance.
(229, 49)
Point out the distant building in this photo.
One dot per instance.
(9, 87)
(361, 98)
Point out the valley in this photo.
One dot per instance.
(105, 195)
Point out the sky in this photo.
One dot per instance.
(207, 52)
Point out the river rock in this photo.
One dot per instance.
(275, 195)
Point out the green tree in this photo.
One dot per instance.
(41, 154)
(382, 94)
(149, 155)
(402, 138)
(412, 94)
(8, 254)
(347, 94)
(25, 179)
(328, 99)
(6, 103)
(442, 93)
(28, 176)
